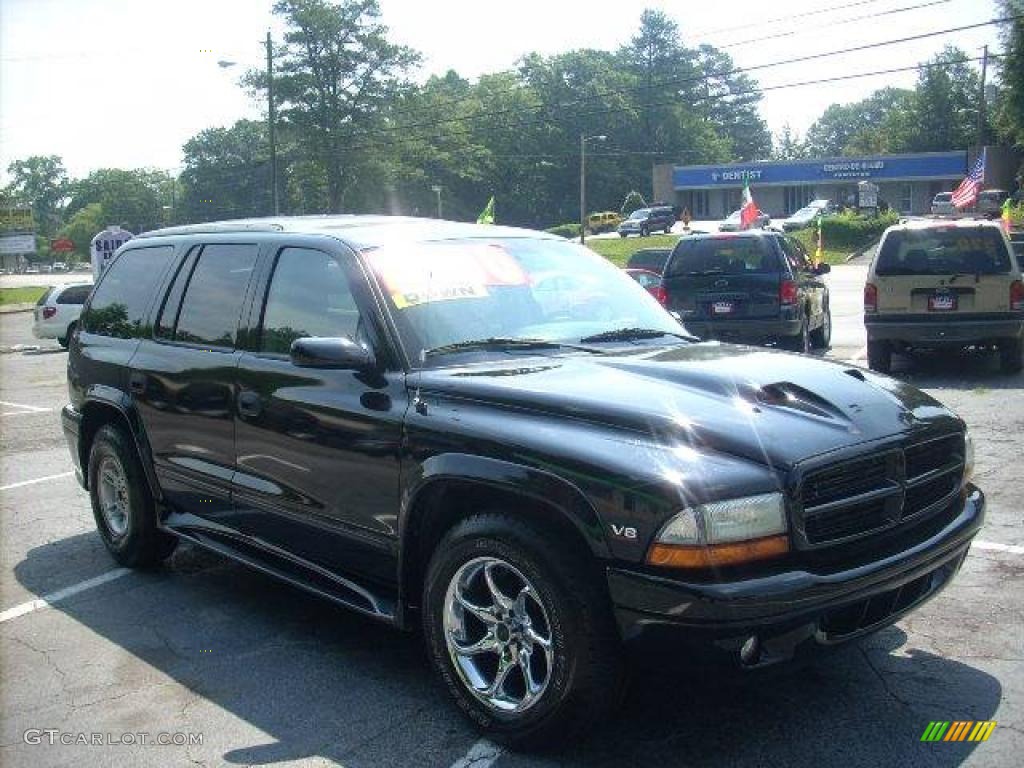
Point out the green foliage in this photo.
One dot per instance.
(83, 226)
(618, 249)
(569, 231)
(41, 183)
(23, 295)
(634, 201)
(134, 199)
(845, 233)
(1009, 107)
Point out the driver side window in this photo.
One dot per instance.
(309, 295)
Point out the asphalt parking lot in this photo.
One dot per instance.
(260, 673)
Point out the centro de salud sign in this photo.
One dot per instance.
(921, 166)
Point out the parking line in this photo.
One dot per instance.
(62, 594)
(29, 408)
(36, 480)
(28, 413)
(994, 546)
(480, 755)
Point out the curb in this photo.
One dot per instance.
(10, 309)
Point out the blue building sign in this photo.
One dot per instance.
(924, 166)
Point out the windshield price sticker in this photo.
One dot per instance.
(445, 272)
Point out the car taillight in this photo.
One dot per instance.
(870, 298)
(1017, 295)
(49, 312)
(787, 292)
(660, 294)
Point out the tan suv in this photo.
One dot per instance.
(944, 284)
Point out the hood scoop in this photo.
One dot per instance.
(785, 394)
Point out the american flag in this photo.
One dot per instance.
(967, 193)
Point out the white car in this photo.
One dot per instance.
(56, 313)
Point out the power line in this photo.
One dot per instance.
(699, 78)
(804, 15)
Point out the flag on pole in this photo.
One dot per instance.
(487, 215)
(748, 210)
(819, 255)
(967, 193)
(1007, 215)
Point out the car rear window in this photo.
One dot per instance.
(949, 251)
(723, 255)
(652, 259)
(943, 197)
(75, 294)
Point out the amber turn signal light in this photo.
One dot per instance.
(717, 555)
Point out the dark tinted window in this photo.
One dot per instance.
(172, 303)
(119, 303)
(944, 251)
(723, 255)
(309, 295)
(213, 299)
(76, 294)
(650, 258)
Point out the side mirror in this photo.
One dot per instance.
(822, 269)
(340, 353)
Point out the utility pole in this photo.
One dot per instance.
(981, 98)
(271, 115)
(583, 187)
(437, 188)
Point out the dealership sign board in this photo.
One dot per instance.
(921, 166)
(103, 247)
(16, 244)
(17, 220)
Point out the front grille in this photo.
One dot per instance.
(859, 496)
(865, 614)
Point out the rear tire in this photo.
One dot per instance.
(1010, 356)
(879, 356)
(644, 232)
(578, 676)
(821, 337)
(122, 503)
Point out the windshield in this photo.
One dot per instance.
(640, 214)
(806, 213)
(455, 291)
(949, 251)
(723, 255)
(734, 216)
(943, 197)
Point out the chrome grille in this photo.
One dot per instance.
(859, 496)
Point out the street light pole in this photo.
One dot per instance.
(583, 181)
(271, 116)
(437, 188)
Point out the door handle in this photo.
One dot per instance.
(250, 403)
(137, 383)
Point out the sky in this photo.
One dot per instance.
(125, 83)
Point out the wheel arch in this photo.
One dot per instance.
(98, 411)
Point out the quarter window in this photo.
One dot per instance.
(309, 295)
(119, 304)
(213, 298)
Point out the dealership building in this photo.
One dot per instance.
(906, 182)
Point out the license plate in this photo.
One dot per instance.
(722, 308)
(942, 302)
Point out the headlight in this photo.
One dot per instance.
(968, 456)
(723, 533)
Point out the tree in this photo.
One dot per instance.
(334, 76)
(944, 108)
(787, 145)
(730, 102)
(83, 226)
(226, 174)
(135, 199)
(1009, 110)
(41, 183)
(634, 201)
(857, 127)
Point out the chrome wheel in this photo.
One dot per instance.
(498, 634)
(113, 495)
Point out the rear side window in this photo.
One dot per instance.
(213, 298)
(119, 303)
(309, 295)
(172, 303)
(723, 255)
(76, 294)
(949, 251)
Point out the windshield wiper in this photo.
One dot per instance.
(503, 343)
(633, 334)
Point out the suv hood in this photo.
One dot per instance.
(765, 406)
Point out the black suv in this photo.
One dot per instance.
(644, 221)
(418, 420)
(749, 286)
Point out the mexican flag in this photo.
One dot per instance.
(748, 210)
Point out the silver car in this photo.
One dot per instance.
(56, 313)
(942, 204)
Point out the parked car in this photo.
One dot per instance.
(947, 284)
(604, 221)
(942, 204)
(990, 202)
(753, 286)
(651, 281)
(805, 216)
(1017, 241)
(732, 222)
(59, 266)
(644, 221)
(56, 313)
(652, 259)
(378, 410)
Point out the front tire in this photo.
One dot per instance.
(519, 632)
(821, 337)
(122, 503)
(879, 356)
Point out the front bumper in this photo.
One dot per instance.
(794, 610)
(941, 330)
(751, 330)
(71, 422)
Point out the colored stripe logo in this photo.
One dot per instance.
(959, 730)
